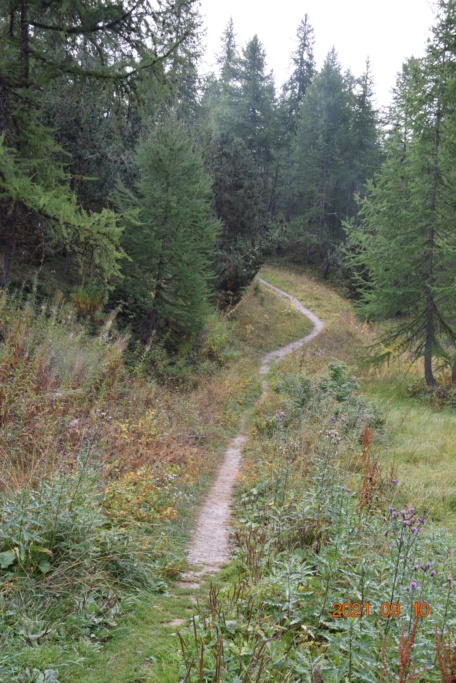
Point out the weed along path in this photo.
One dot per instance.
(209, 548)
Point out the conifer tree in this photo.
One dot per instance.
(407, 242)
(237, 205)
(65, 45)
(324, 144)
(303, 69)
(170, 236)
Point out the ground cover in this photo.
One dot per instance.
(421, 435)
(323, 531)
(102, 471)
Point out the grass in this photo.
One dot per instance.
(182, 429)
(71, 389)
(421, 441)
(316, 530)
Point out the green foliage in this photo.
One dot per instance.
(306, 542)
(339, 381)
(237, 203)
(403, 251)
(170, 237)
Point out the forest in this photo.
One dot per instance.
(163, 234)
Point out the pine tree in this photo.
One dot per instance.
(54, 47)
(170, 236)
(303, 72)
(324, 146)
(407, 243)
(237, 204)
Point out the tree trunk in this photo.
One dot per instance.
(430, 328)
(158, 291)
(326, 264)
(9, 250)
(66, 270)
(24, 44)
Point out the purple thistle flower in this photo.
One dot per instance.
(403, 513)
(415, 567)
(411, 511)
(394, 481)
(450, 580)
(433, 572)
(421, 566)
(413, 585)
(343, 488)
(428, 565)
(405, 522)
(414, 529)
(391, 508)
(348, 490)
(393, 513)
(386, 533)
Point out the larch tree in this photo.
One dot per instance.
(406, 245)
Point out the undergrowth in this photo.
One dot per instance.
(102, 466)
(324, 533)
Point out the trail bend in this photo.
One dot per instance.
(209, 548)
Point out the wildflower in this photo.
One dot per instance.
(386, 533)
(415, 567)
(421, 566)
(410, 511)
(403, 513)
(450, 580)
(394, 481)
(391, 508)
(343, 488)
(428, 565)
(433, 572)
(413, 585)
(405, 522)
(414, 529)
(348, 490)
(393, 514)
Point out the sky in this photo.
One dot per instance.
(386, 31)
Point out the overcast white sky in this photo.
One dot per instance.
(388, 31)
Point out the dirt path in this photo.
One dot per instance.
(209, 548)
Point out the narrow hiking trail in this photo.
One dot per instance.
(209, 548)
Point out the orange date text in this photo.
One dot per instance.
(356, 610)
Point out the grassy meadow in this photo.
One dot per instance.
(421, 437)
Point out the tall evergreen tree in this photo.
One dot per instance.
(170, 236)
(64, 46)
(303, 69)
(323, 151)
(237, 205)
(408, 243)
(256, 117)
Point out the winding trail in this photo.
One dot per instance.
(209, 548)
